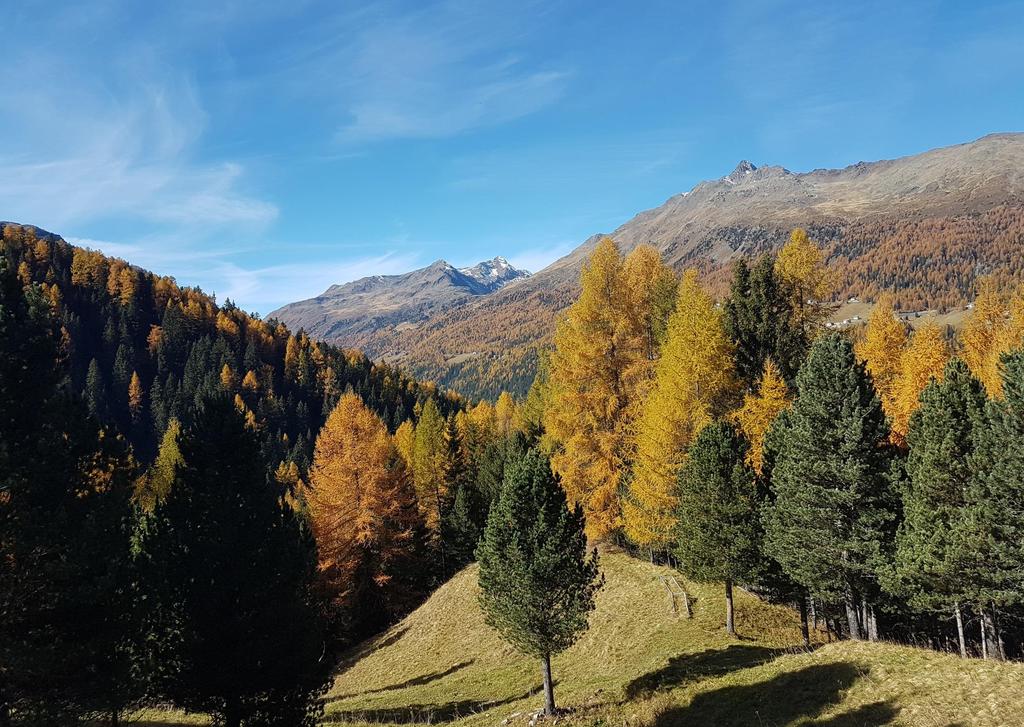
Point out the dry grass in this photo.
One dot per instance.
(641, 666)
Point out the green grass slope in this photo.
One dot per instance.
(641, 665)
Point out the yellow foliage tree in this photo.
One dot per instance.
(228, 379)
(599, 363)
(923, 359)
(760, 409)
(881, 349)
(250, 382)
(430, 466)
(800, 264)
(692, 382)
(650, 292)
(135, 396)
(995, 326)
(360, 501)
(405, 440)
(505, 414)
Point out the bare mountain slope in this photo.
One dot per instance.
(355, 313)
(925, 226)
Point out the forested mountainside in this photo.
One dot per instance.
(143, 350)
(924, 227)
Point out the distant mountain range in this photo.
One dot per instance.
(926, 226)
(353, 314)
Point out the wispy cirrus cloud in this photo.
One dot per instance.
(426, 72)
(76, 148)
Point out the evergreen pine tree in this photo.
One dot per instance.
(234, 629)
(96, 392)
(942, 438)
(64, 532)
(991, 556)
(833, 505)
(537, 582)
(759, 319)
(717, 533)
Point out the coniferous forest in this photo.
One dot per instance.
(206, 511)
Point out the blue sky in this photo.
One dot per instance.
(265, 150)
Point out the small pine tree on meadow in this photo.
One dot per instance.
(717, 532)
(537, 582)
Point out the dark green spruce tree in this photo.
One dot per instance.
(718, 531)
(65, 524)
(992, 532)
(758, 318)
(943, 436)
(833, 507)
(234, 627)
(537, 581)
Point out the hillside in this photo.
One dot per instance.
(354, 313)
(925, 226)
(143, 350)
(640, 665)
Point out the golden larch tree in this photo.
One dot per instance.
(693, 380)
(994, 327)
(430, 466)
(598, 361)
(136, 396)
(505, 414)
(759, 410)
(923, 359)
(881, 348)
(405, 441)
(650, 295)
(800, 264)
(361, 505)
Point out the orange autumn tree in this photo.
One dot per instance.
(692, 381)
(364, 516)
(601, 361)
(759, 410)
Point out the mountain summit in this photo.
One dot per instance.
(374, 305)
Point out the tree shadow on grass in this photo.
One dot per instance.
(414, 682)
(691, 667)
(422, 713)
(782, 700)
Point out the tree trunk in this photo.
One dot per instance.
(814, 615)
(872, 623)
(730, 621)
(805, 631)
(984, 636)
(990, 636)
(851, 618)
(960, 629)
(115, 715)
(998, 634)
(549, 689)
(5, 714)
(232, 713)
